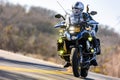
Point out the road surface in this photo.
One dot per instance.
(18, 67)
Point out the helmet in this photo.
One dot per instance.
(77, 8)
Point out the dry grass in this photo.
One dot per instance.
(109, 65)
(112, 67)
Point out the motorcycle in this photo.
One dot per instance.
(76, 45)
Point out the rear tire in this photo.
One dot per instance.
(75, 62)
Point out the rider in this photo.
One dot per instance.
(79, 16)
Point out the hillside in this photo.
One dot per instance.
(26, 32)
(109, 58)
(32, 34)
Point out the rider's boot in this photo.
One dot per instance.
(94, 62)
(67, 64)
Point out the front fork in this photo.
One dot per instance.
(81, 60)
(80, 52)
(81, 55)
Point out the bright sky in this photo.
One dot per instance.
(108, 10)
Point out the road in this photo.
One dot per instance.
(18, 67)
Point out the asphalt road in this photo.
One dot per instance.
(18, 67)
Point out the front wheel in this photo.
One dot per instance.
(75, 61)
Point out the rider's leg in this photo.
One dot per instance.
(94, 62)
(63, 46)
(67, 58)
(97, 45)
(67, 61)
(96, 41)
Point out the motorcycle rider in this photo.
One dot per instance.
(79, 16)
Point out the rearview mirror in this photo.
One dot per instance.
(93, 12)
(59, 16)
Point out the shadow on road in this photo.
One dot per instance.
(35, 65)
(88, 79)
(4, 75)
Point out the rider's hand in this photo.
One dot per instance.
(93, 33)
(83, 23)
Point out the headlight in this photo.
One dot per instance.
(71, 29)
(74, 29)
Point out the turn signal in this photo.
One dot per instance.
(90, 38)
(60, 40)
(92, 50)
(61, 52)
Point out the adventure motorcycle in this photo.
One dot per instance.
(76, 45)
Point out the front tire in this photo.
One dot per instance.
(75, 62)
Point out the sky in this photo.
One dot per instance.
(108, 10)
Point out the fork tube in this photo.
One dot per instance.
(81, 55)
